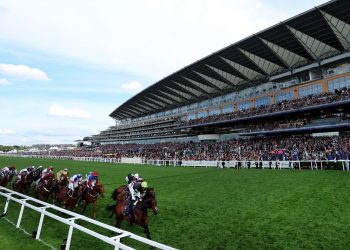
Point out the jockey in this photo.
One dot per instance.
(74, 181)
(31, 169)
(139, 192)
(139, 189)
(62, 173)
(91, 179)
(4, 171)
(22, 174)
(48, 170)
(132, 177)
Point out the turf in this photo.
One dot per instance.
(202, 208)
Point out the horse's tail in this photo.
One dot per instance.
(110, 207)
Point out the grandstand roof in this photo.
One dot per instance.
(307, 38)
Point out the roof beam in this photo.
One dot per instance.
(232, 79)
(266, 66)
(147, 107)
(152, 103)
(178, 93)
(156, 99)
(201, 86)
(177, 87)
(193, 89)
(248, 73)
(289, 58)
(315, 47)
(215, 82)
(340, 29)
(160, 94)
(209, 81)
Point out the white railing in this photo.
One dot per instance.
(71, 222)
(283, 164)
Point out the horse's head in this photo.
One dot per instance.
(150, 200)
(99, 189)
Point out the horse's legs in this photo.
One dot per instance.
(146, 231)
(94, 211)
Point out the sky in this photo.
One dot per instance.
(66, 65)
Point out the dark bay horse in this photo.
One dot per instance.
(43, 190)
(139, 215)
(70, 200)
(20, 185)
(91, 197)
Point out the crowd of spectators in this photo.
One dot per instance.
(271, 148)
(310, 100)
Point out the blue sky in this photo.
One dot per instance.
(66, 65)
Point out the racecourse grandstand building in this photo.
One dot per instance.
(291, 78)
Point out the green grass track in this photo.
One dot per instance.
(202, 208)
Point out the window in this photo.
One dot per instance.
(284, 96)
(310, 90)
(202, 114)
(214, 111)
(243, 105)
(191, 116)
(227, 109)
(263, 101)
(339, 83)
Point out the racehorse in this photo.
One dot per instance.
(43, 190)
(8, 177)
(59, 188)
(20, 185)
(91, 197)
(139, 214)
(70, 200)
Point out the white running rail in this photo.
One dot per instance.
(42, 207)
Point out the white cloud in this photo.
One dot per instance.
(132, 86)
(4, 82)
(5, 131)
(22, 72)
(57, 110)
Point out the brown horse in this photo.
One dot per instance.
(59, 189)
(43, 190)
(90, 196)
(70, 200)
(8, 177)
(139, 214)
(20, 185)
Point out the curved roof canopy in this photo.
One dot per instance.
(314, 35)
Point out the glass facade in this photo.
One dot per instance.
(214, 111)
(339, 83)
(243, 105)
(313, 89)
(202, 114)
(284, 96)
(191, 116)
(227, 109)
(263, 101)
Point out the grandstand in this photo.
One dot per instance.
(292, 78)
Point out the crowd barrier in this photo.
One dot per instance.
(41, 207)
(283, 164)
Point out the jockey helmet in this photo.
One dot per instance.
(144, 184)
(79, 176)
(40, 167)
(65, 170)
(136, 175)
(94, 174)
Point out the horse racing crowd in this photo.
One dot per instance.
(260, 148)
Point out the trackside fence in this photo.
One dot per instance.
(41, 207)
(283, 164)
